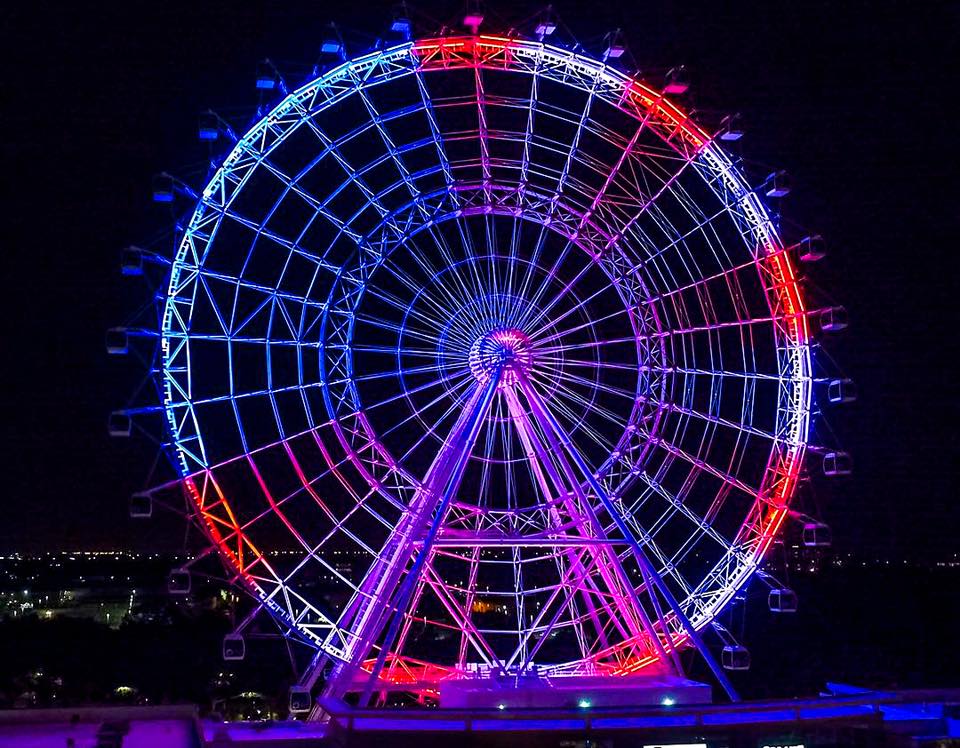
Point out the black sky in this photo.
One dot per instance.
(853, 98)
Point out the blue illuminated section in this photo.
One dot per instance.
(791, 723)
(366, 724)
(644, 722)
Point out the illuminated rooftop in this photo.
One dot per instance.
(845, 715)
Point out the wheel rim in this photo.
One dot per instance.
(686, 289)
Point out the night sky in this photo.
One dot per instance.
(850, 97)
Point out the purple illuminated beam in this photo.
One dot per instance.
(384, 597)
(561, 443)
(549, 459)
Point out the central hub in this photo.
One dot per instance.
(507, 348)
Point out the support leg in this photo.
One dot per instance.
(562, 443)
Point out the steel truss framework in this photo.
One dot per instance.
(480, 356)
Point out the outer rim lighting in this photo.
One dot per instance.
(195, 279)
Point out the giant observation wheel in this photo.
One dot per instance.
(479, 357)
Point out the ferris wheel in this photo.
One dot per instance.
(480, 357)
